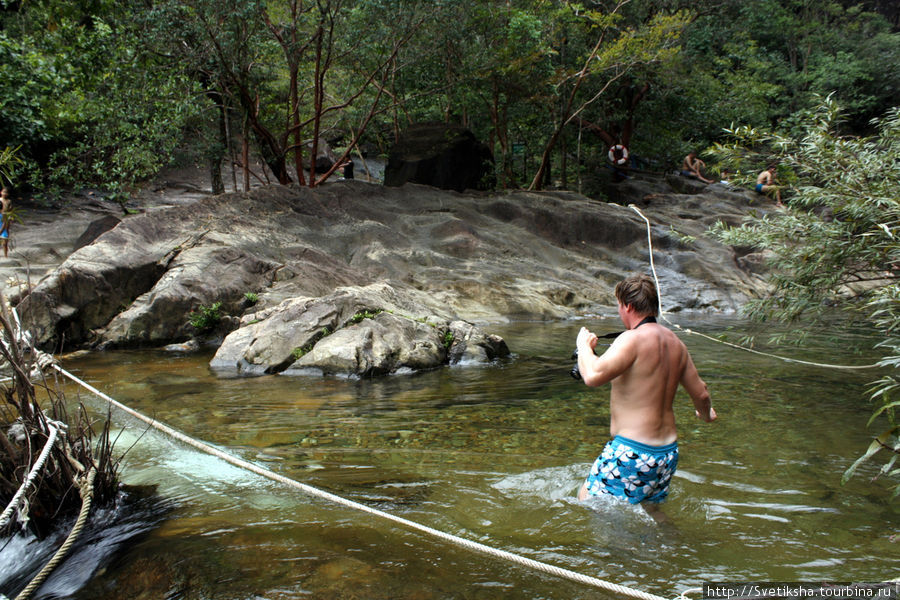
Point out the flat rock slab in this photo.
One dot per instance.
(440, 255)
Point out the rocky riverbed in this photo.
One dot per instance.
(354, 277)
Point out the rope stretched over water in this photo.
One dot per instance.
(730, 344)
(315, 492)
(38, 465)
(86, 489)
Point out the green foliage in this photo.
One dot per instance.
(364, 314)
(101, 93)
(839, 246)
(448, 339)
(762, 64)
(8, 163)
(84, 100)
(251, 298)
(683, 238)
(206, 318)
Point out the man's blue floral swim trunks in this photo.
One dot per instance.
(633, 471)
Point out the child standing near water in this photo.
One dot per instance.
(645, 366)
(6, 215)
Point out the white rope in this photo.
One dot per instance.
(86, 489)
(730, 344)
(38, 465)
(312, 491)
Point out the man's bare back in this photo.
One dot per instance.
(645, 366)
(641, 397)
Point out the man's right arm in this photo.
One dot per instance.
(597, 370)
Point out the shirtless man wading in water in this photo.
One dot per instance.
(645, 364)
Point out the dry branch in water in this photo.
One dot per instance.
(25, 428)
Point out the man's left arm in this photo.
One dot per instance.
(697, 390)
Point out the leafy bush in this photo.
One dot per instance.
(206, 318)
(839, 246)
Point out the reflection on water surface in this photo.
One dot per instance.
(495, 454)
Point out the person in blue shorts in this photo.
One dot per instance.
(644, 365)
(5, 220)
(765, 183)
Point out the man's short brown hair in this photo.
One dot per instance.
(638, 292)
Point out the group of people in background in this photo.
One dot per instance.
(692, 166)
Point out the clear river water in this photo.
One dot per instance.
(494, 453)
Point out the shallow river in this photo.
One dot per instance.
(494, 454)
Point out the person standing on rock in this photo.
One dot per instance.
(6, 212)
(645, 365)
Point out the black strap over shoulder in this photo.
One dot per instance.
(615, 334)
(650, 319)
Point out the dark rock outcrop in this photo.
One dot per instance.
(440, 155)
(95, 230)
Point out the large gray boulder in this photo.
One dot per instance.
(372, 330)
(161, 314)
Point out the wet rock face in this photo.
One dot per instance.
(423, 261)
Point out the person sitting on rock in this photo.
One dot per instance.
(765, 183)
(691, 167)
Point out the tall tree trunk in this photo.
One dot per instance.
(318, 102)
(295, 125)
(230, 150)
(218, 154)
(245, 155)
(498, 119)
(215, 176)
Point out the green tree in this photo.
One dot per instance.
(292, 69)
(484, 65)
(82, 100)
(839, 245)
(613, 51)
(763, 64)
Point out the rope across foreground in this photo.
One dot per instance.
(316, 492)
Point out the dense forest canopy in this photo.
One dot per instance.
(105, 93)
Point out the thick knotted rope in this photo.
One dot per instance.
(86, 489)
(35, 469)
